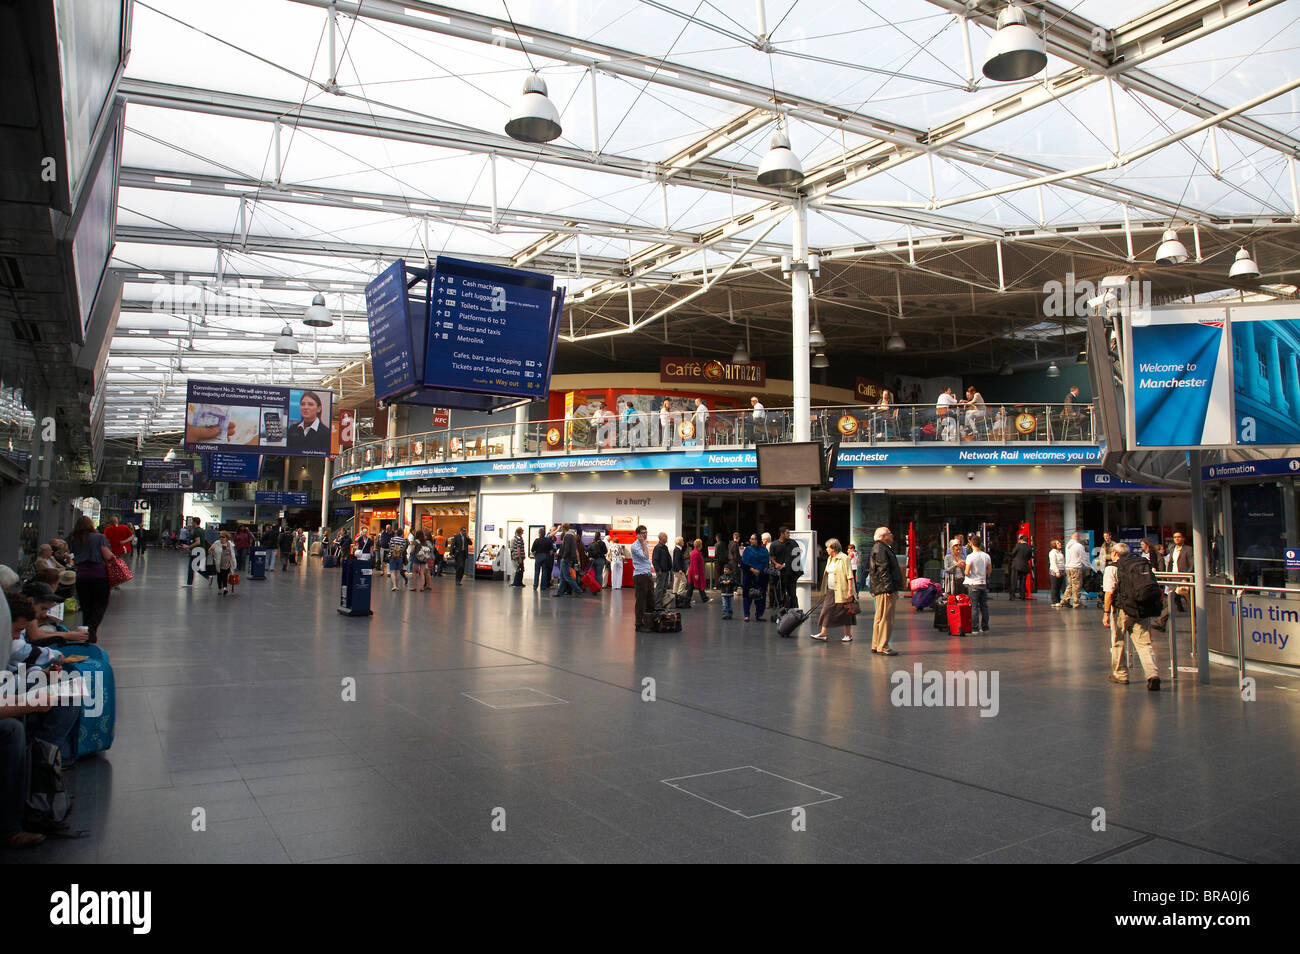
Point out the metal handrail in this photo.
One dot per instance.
(1175, 580)
(852, 425)
(1240, 589)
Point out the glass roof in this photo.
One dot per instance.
(268, 156)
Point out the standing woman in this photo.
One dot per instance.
(517, 554)
(615, 566)
(1056, 569)
(223, 560)
(954, 569)
(597, 551)
(420, 552)
(397, 559)
(755, 561)
(695, 573)
(90, 551)
(841, 591)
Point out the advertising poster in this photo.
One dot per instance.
(253, 419)
(1266, 374)
(1178, 371)
(158, 475)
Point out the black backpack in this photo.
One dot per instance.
(1140, 593)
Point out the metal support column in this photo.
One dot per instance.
(325, 495)
(1200, 571)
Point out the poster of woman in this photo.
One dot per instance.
(309, 416)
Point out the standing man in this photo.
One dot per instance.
(782, 553)
(1137, 594)
(439, 552)
(1076, 558)
(460, 545)
(642, 580)
(385, 542)
(243, 543)
(666, 424)
(568, 563)
(284, 544)
(1020, 557)
(662, 562)
(543, 559)
(517, 554)
(733, 555)
(1070, 415)
(978, 566)
(886, 580)
(757, 420)
(596, 553)
(117, 535)
(701, 420)
(1178, 560)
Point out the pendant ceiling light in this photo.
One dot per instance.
(1244, 266)
(1005, 369)
(1053, 371)
(534, 118)
(741, 356)
(317, 315)
(819, 361)
(896, 343)
(285, 344)
(780, 167)
(1171, 251)
(815, 337)
(1016, 52)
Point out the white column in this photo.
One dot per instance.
(325, 495)
(1200, 571)
(521, 422)
(799, 344)
(1068, 519)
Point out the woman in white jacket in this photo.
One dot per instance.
(222, 553)
(1056, 568)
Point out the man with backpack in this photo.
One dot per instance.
(1139, 597)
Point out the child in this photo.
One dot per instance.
(727, 586)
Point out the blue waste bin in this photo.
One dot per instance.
(257, 564)
(354, 594)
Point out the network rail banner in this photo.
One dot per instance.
(1179, 374)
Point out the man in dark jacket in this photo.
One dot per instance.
(543, 559)
(1020, 557)
(1138, 597)
(385, 542)
(460, 545)
(733, 555)
(568, 563)
(662, 561)
(782, 552)
(284, 544)
(886, 581)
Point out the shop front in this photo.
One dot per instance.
(375, 506)
(1253, 530)
(441, 505)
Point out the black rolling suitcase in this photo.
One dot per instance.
(941, 613)
(792, 619)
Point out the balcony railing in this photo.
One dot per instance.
(856, 425)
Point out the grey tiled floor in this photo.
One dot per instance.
(235, 705)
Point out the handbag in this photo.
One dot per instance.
(118, 572)
(851, 605)
(234, 579)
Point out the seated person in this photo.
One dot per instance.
(58, 725)
(52, 631)
(1000, 425)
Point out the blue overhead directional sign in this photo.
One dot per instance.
(491, 330)
(390, 332)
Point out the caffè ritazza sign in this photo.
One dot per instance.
(698, 371)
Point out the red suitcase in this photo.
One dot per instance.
(959, 615)
(591, 585)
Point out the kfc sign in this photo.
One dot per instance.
(441, 417)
